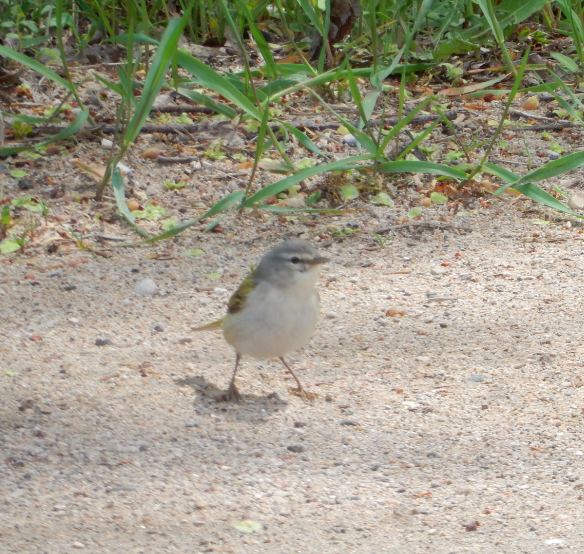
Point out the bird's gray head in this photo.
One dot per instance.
(292, 261)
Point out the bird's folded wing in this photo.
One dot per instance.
(215, 326)
(237, 301)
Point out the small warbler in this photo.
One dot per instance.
(275, 309)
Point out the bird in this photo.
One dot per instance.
(275, 309)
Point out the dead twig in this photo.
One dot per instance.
(436, 224)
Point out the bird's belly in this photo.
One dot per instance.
(273, 327)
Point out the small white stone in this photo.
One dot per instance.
(350, 140)
(576, 201)
(438, 271)
(331, 315)
(146, 287)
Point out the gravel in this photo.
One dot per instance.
(454, 427)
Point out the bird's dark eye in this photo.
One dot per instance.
(295, 259)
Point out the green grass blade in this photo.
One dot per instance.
(203, 99)
(210, 79)
(112, 86)
(284, 184)
(378, 78)
(172, 232)
(419, 139)
(502, 173)
(556, 167)
(271, 66)
(138, 37)
(413, 166)
(362, 138)
(308, 9)
(567, 62)
(120, 196)
(35, 66)
(224, 204)
(402, 123)
(29, 118)
(539, 195)
(64, 134)
(303, 139)
(561, 101)
(283, 83)
(155, 78)
(286, 209)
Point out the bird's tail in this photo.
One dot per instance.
(215, 326)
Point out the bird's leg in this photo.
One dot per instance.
(300, 390)
(232, 392)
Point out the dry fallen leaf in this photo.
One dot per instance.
(151, 153)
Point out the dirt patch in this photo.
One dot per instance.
(455, 427)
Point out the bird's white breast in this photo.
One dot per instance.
(274, 321)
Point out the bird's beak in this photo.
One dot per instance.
(318, 260)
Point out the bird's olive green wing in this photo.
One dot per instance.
(237, 301)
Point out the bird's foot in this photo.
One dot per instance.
(299, 391)
(232, 395)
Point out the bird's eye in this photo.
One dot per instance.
(295, 259)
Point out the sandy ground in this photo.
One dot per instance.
(456, 427)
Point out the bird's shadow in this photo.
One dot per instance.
(208, 394)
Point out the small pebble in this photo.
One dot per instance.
(159, 328)
(331, 315)
(553, 155)
(438, 271)
(350, 140)
(472, 526)
(476, 378)
(185, 340)
(576, 201)
(296, 448)
(349, 422)
(103, 342)
(146, 287)
(25, 184)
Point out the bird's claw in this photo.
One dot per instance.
(299, 391)
(232, 395)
